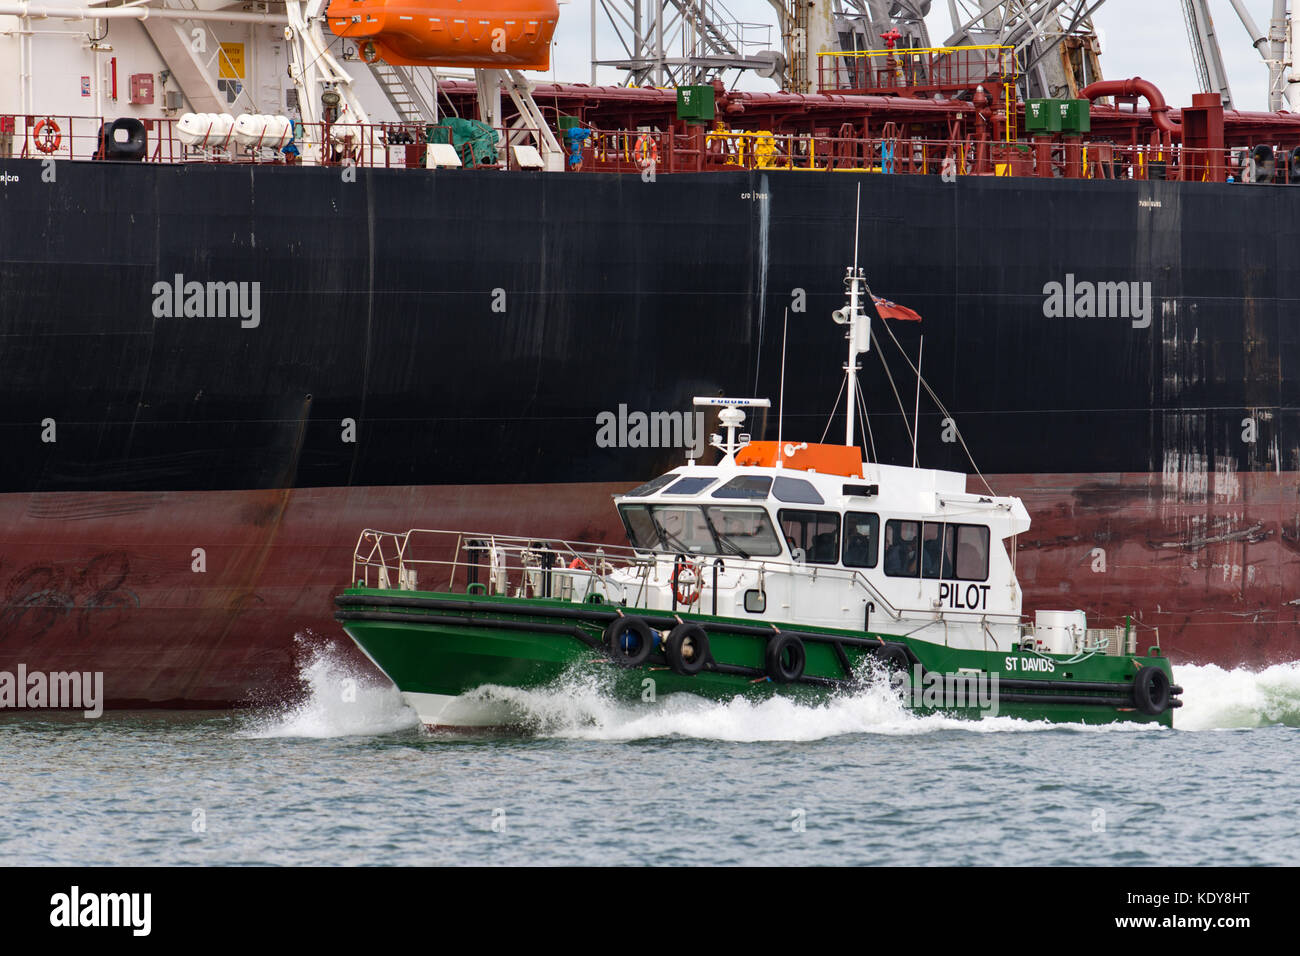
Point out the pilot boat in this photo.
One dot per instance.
(791, 568)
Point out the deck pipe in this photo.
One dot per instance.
(1136, 86)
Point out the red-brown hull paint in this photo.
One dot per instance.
(106, 581)
(1212, 558)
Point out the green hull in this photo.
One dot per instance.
(450, 644)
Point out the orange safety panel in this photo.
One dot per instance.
(824, 459)
(487, 33)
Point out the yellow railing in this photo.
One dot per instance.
(1006, 60)
(932, 50)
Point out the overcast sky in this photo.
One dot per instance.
(1145, 38)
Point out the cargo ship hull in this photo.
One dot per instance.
(436, 348)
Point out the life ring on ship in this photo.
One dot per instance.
(630, 641)
(1152, 690)
(369, 53)
(646, 151)
(785, 658)
(577, 564)
(687, 593)
(687, 649)
(46, 135)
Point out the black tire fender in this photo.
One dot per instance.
(1152, 690)
(785, 658)
(630, 641)
(687, 648)
(893, 658)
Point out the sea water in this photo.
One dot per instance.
(347, 776)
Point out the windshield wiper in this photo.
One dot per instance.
(667, 537)
(722, 539)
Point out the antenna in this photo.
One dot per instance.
(780, 409)
(916, 418)
(857, 225)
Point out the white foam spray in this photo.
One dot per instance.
(581, 707)
(340, 701)
(1218, 699)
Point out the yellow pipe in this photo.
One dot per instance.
(845, 169)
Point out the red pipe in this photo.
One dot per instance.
(1136, 86)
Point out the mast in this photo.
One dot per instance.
(851, 367)
(859, 323)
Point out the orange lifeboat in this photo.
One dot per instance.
(483, 33)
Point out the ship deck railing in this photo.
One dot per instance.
(371, 145)
(892, 153)
(486, 563)
(403, 146)
(916, 71)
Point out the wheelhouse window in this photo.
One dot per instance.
(640, 529)
(902, 548)
(744, 531)
(690, 486)
(683, 528)
(796, 491)
(935, 561)
(936, 550)
(970, 545)
(692, 529)
(815, 533)
(861, 539)
(752, 487)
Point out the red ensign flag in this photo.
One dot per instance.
(892, 310)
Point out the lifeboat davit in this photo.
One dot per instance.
(483, 33)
